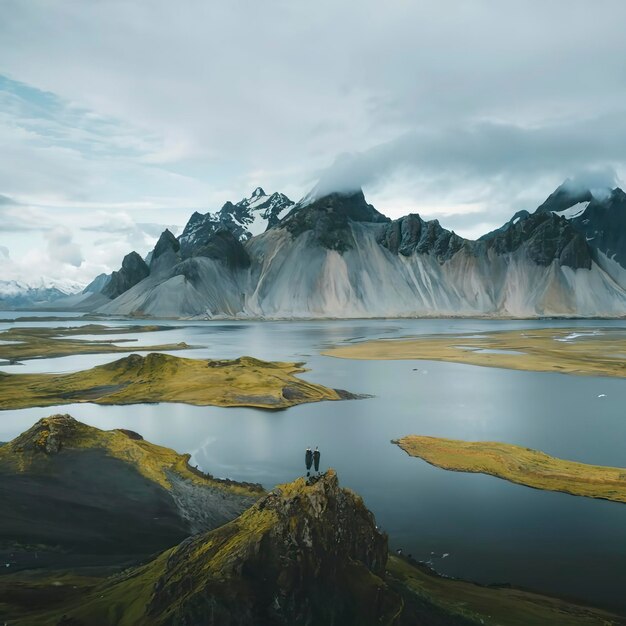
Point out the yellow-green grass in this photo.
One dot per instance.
(165, 378)
(495, 606)
(42, 343)
(519, 465)
(154, 462)
(598, 352)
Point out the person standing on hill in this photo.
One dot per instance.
(316, 459)
(308, 460)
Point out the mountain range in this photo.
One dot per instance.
(337, 256)
(16, 294)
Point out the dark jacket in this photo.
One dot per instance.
(308, 458)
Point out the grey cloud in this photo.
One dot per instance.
(599, 180)
(489, 151)
(63, 248)
(7, 201)
(151, 229)
(482, 101)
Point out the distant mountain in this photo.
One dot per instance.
(601, 218)
(97, 284)
(337, 256)
(17, 294)
(598, 215)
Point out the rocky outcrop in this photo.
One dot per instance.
(165, 253)
(603, 224)
(328, 219)
(412, 235)
(307, 553)
(134, 269)
(545, 238)
(224, 246)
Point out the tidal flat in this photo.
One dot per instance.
(22, 343)
(165, 378)
(519, 465)
(592, 352)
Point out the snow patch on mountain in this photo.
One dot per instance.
(574, 211)
(245, 219)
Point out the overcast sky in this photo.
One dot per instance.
(119, 118)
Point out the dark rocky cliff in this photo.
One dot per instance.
(328, 218)
(134, 269)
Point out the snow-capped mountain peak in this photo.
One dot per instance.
(36, 292)
(249, 217)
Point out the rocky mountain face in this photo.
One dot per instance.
(600, 217)
(328, 219)
(308, 553)
(337, 256)
(134, 269)
(248, 217)
(412, 235)
(597, 216)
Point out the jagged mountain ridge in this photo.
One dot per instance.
(337, 256)
(248, 217)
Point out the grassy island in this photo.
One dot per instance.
(519, 465)
(164, 378)
(590, 352)
(22, 343)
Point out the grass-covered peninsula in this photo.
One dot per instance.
(165, 378)
(519, 465)
(21, 343)
(598, 352)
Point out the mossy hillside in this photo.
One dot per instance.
(519, 465)
(309, 552)
(77, 499)
(165, 378)
(587, 352)
(51, 435)
(40, 343)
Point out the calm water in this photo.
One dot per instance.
(491, 530)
